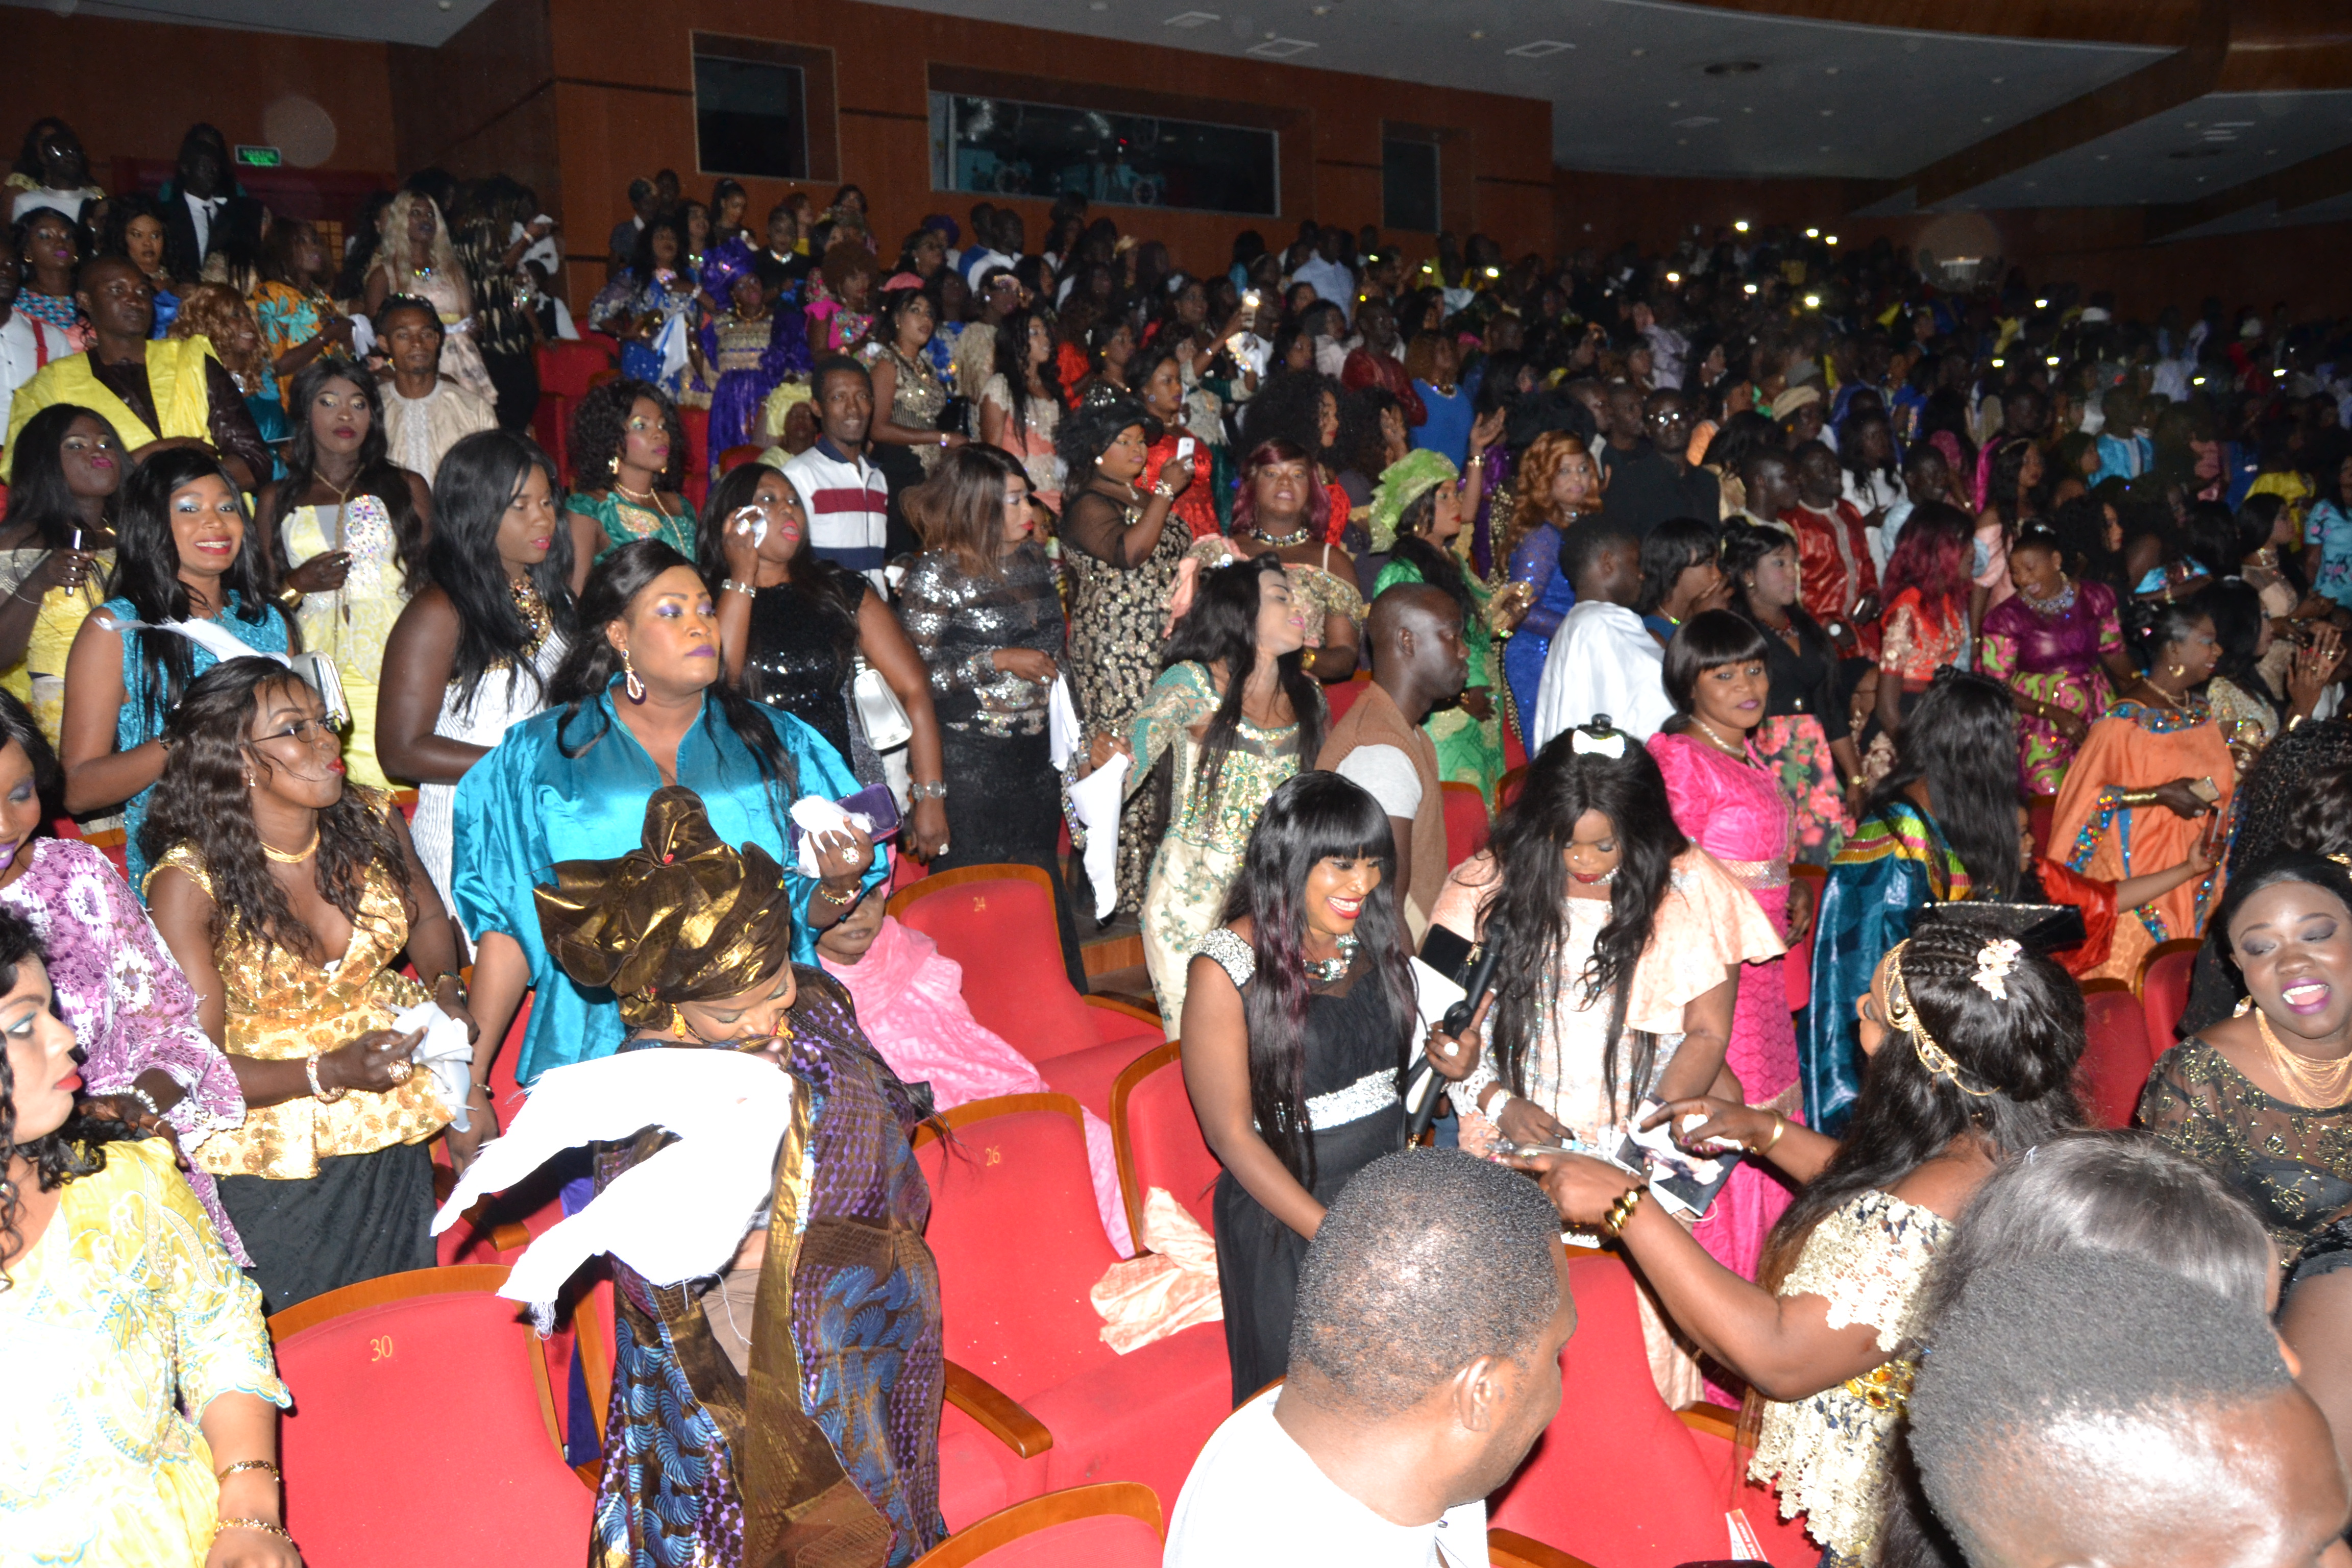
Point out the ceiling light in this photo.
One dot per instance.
(2041, 304)
(2281, 371)
(2196, 381)
(2053, 362)
(1812, 301)
(1829, 239)
(1477, 33)
(1752, 287)
(1674, 277)
(1741, 226)
(1280, 49)
(1732, 68)
(1494, 273)
(1997, 364)
(1813, 233)
(1540, 48)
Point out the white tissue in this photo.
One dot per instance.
(1063, 729)
(819, 817)
(1095, 801)
(444, 1052)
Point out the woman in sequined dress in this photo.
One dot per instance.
(793, 628)
(2057, 644)
(981, 607)
(1124, 546)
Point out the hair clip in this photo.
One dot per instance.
(1597, 739)
(1994, 960)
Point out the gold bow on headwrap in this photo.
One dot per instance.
(683, 918)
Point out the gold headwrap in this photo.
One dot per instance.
(1901, 1015)
(683, 918)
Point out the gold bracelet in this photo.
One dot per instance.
(275, 1473)
(1780, 1125)
(263, 1525)
(1622, 1209)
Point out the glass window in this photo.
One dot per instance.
(1409, 184)
(750, 117)
(1000, 146)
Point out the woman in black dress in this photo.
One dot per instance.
(1806, 739)
(794, 627)
(983, 611)
(1298, 1017)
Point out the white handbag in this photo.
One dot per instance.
(880, 714)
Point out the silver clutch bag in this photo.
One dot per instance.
(879, 713)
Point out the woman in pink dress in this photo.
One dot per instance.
(910, 1004)
(1726, 801)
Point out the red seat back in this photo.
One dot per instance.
(1340, 695)
(1115, 1524)
(1157, 1139)
(2040, 810)
(1796, 969)
(2116, 1055)
(2164, 989)
(1018, 1241)
(1508, 789)
(997, 921)
(567, 369)
(1616, 1479)
(1466, 824)
(735, 458)
(378, 1371)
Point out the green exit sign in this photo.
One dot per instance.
(259, 157)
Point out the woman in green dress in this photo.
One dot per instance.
(628, 456)
(1417, 517)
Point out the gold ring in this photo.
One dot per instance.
(400, 1070)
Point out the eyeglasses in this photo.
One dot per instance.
(308, 732)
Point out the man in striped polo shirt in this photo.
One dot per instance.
(846, 497)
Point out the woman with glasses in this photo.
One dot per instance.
(289, 897)
(191, 578)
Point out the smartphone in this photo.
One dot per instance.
(1184, 449)
(1249, 300)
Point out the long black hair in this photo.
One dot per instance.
(1012, 364)
(204, 802)
(377, 475)
(1525, 915)
(2235, 606)
(1669, 550)
(37, 492)
(75, 1148)
(592, 664)
(820, 589)
(478, 480)
(1961, 739)
(1311, 818)
(147, 572)
(2017, 1050)
(1221, 626)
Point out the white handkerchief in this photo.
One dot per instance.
(678, 1215)
(444, 1052)
(818, 816)
(1062, 728)
(1095, 801)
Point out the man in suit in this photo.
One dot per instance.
(202, 204)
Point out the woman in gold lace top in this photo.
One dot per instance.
(287, 895)
(2263, 1100)
(1971, 1045)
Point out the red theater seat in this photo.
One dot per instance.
(423, 1427)
(1466, 823)
(1115, 1525)
(1798, 969)
(2116, 1055)
(1157, 1139)
(1340, 695)
(1019, 1245)
(997, 921)
(1507, 790)
(2163, 988)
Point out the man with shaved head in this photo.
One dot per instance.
(1414, 637)
(2090, 1409)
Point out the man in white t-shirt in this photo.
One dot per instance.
(1425, 1362)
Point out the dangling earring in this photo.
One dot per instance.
(2245, 1005)
(2178, 670)
(633, 685)
(615, 466)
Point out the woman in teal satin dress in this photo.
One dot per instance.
(636, 704)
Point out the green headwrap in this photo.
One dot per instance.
(1403, 483)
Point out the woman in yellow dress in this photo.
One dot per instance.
(286, 897)
(119, 1307)
(55, 549)
(349, 529)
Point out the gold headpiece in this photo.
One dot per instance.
(1901, 1015)
(683, 918)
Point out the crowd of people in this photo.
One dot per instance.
(1819, 639)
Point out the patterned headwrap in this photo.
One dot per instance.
(723, 265)
(1403, 483)
(682, 918)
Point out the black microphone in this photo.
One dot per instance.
(1420, 1077)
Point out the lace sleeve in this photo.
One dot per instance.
(1867, 1260)
(1231, 954)
(1098, 526)
(1180, 699)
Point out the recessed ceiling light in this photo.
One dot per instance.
(1827, 113)
(1275, 48)
(1988, 119)
(1540, 48)
(1731, 67)
(1998, 79)
(1741, 226)
(1829, 239)
(1823, 148)
(1693, 122)
(1829, 71)
(1813, 233)
(1682, 140)
(1190, 19)
(1673, 103)
(1477, 33)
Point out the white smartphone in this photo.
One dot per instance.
(1184, 449)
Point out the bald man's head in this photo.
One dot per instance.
(117, 297)
(1414, 633)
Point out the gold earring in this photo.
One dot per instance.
(633, 685)
(2178, 670)
(614, 465)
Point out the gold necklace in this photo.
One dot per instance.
(1712, 734)
(529, 604)
(651, 500)
(285, 858)
(2317, 1087)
